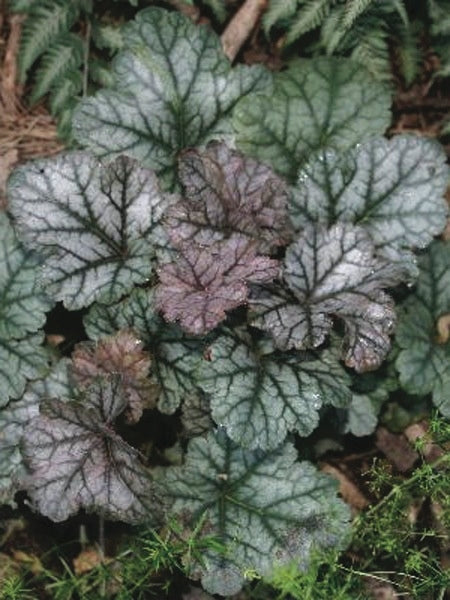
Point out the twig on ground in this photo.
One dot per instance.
(241, 25)
(8, 85)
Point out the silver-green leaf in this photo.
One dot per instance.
(97, 224)
(13, 419)
(319, 103)
(174, 88)
(260, 395)
(175, 356)
(20, 360)
(424, 360)
(22, 304)
(332, 272)
(263, 509)
(393, 188)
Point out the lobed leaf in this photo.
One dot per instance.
(76, 460)
(370, 391)
(205, 282)
(122, 354)
(13, 419)
(174, 88)
(332, 272)
(393, 188)
(175, 356)
(265, 508)
(225, 193)
(196, 415)
(319, 103)
(22, 304)
(20, 360)
(424, 360)
(98, 224)
(259, 395)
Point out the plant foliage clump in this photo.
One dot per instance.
(249, 285)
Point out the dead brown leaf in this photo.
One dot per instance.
(87, 560)
(348, 490)
(396, 448)
(31, 561)
(418, 431)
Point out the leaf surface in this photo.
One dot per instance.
(332, 272)
(13, 419)
(424, 360)
(174, 88)
(121, 354)
(98, 224)
(259, 395)
(22, 304)
(225, 193)
(265, 508)
(205, 282)
(20, 360)
(175, 356)
(196, 415)
(76, 460)
(393, 188)
(319, 103)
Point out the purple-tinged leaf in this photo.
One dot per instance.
(205, 282)
(226, 193)
(292, 325)
(120, 354)
(76, 460)
(332, 272)
(368, 326)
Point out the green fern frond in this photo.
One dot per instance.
(278, 11)
(400, 9)
(100, 73)
(442, 48)
(218, 9)
(65, 91)
(332, 33)
(352, 10)
(64, 126)
(309, 17)
(107, 37)
(47, 20)
(439, 11)
(372, 51)
(20, 6)
(409, 55)
(63, 56)
(446, 128)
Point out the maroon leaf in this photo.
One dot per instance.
(207, 281)
(121, 354)
(227, 193)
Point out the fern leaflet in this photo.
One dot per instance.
(278, 10)
(46, 21)
(309, 17)
(63, 56)
(352, 10)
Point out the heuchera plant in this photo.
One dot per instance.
(234, 237)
